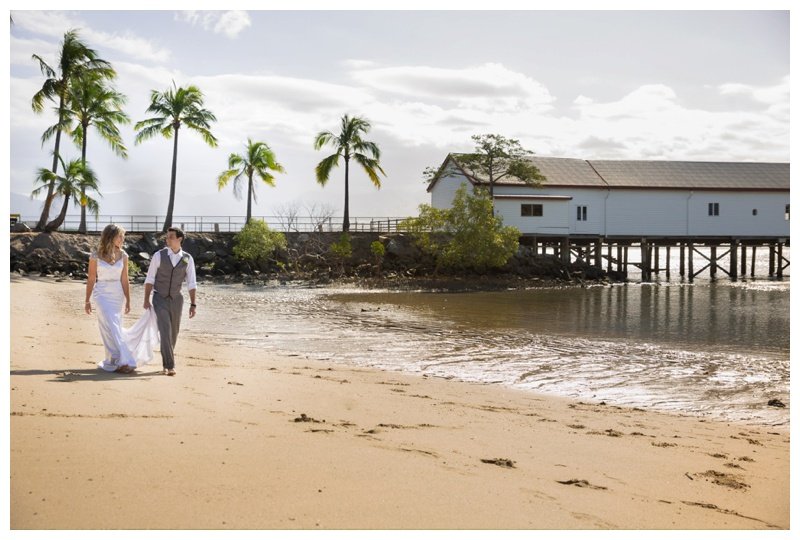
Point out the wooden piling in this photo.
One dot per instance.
(691, 261)
(683, 259)
(734, 263)
(713, 262)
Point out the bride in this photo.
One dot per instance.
(125, 348)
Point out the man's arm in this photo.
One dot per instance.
(191, 283)
(151, 278)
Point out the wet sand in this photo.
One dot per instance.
(241, 439)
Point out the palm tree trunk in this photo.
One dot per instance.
(346, 220)
(49, 199)
(249, 197)
(168, 219)
(56, 223)
(82, 226)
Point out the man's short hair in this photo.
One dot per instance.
(178, 232)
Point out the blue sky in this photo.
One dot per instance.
(678, 85)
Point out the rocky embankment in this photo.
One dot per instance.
(307, 258)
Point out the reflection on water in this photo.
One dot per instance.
(708, 349)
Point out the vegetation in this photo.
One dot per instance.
(92, 101)
(75, 60)
(256, 242)
(133, 269)
(467, 236)
(174, 108)
(378, 253)
(342, 250)
(349, 145)
(495, 158)
(76, 181)
(258, 159)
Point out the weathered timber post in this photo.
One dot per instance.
(565, 254)
(657, 265)
(713, 262)
(691, 261)
(744, 261)
(780, 259)
(645, 258)
(734, 253)
(771, 259)
(668, 261)
(598, 253)
(753, 263)
(682, 259)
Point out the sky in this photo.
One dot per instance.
(654, 85)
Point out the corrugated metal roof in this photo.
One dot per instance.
(657, 174)
(693, 174)
(558, 171)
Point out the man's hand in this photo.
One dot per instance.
(192, 311)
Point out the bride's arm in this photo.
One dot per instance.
(90, 279)
(126, 288)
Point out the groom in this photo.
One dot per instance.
(169, 268)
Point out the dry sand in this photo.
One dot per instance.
(220, 445)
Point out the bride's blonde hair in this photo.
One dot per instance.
(107, 237)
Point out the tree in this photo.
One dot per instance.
(90, 102)
(349, 145)
(495, 158)
(175, 107)
(257, 159)
(77, 180)
(465, 236)
(75, 58)
(256, 242)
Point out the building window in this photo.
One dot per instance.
(786, 213)
(531, 210)
(581, 213)
(713, 209)
(755, 211)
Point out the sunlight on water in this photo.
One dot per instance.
(719, 350)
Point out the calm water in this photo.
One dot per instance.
(718, 350)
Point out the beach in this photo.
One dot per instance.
(242, 438)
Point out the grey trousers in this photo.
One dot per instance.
(168, 315)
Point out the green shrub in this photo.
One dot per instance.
(378, 250)
(256, 242)
(342, 249)
(133, 269)
(467, 236)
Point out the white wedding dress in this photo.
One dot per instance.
(123, 346)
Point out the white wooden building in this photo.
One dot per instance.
(636, 198)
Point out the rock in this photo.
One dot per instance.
(776, 403)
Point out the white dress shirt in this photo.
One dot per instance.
(174, 258)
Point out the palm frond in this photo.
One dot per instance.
(324, 167)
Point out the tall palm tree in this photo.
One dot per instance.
(258, 159)
(90, 102)
(349, 144)
(77, 179)
(74, 58)
(173, 108)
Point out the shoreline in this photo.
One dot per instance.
(376, 449)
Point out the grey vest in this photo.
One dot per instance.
(168, 278)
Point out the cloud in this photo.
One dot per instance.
(230, 23)
(488, 87)
(54, 24)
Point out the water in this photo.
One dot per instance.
(709, 349)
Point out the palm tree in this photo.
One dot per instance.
(349, 144)
(74, 58)
(78, 178)
(175, 107)
(257, 159)
(91, 102)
